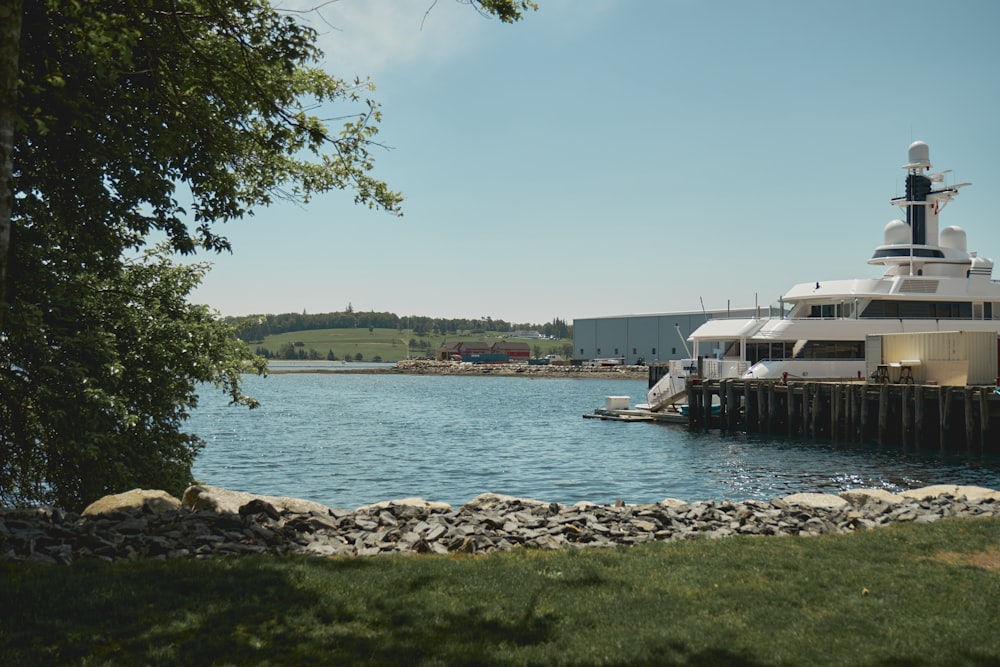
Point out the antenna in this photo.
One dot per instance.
(683, 342)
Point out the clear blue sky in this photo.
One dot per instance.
(635, 156)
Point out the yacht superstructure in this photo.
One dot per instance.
(932, 282)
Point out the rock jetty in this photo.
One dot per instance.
(215, 522)
(426, 367)
(429, 367)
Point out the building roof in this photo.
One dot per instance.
(511, 345)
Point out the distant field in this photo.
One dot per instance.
(390, 344)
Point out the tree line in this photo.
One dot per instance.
(255, 328)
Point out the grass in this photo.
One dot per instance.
(390, 344)
(905, 595)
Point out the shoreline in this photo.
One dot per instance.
(427, 367)
(212, 522)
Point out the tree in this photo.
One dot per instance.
(81, 397)
(10, 40)
(123, 121)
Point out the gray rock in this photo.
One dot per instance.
(975, 493)
(816, 501)
(215, 523)
(869, 497)
(217, 499)
(156, 501)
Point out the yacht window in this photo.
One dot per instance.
(826, 311)
(935, 310)
(906, 252)
(761, 351)
(830, 349)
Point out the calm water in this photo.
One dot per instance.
(346, 440)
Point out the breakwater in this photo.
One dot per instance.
(429, 367)
(213, 522)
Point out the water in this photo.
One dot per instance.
(346, 440)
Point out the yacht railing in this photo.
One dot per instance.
(711, 369)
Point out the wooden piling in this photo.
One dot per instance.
(834, 412)
(883, 412)
(812, 407)
(729, 405)
(772, 405)
(984, 419)
(904, 416)
(918, 414)
(864, 412)
(969, 418)
(944, 415)
(761, 409)
(849, 411)
(747, 409)
(790, 410)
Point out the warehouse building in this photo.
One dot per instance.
(648, 338)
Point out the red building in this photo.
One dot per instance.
(454, 351)
(516, 352)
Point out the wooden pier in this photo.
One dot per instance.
(962, 419)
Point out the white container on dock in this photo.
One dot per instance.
(616, 402)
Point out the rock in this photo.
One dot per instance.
(645, 526)
(259, 506)
(216, 523)
(217, 499)
(490, 501)
(816, 501)
(156, 501)
(427, 367)
(863, 497)
(973, 493)
(418, 503)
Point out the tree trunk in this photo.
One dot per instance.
(10, 39)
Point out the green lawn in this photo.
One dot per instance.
(918, 595)
(390, 344)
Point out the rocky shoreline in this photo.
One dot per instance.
(428, 367)
(214, 522)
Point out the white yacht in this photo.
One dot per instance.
(932, 282)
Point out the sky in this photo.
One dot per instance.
(618, 157)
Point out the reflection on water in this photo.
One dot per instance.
(346, 440)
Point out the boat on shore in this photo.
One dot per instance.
(931, 283)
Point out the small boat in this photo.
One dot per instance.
(686, 409)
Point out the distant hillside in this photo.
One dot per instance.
(255, 328)
(382, 344)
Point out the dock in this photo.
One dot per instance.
(945, 418)
(665, 416)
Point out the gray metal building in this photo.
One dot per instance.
(648, 338)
